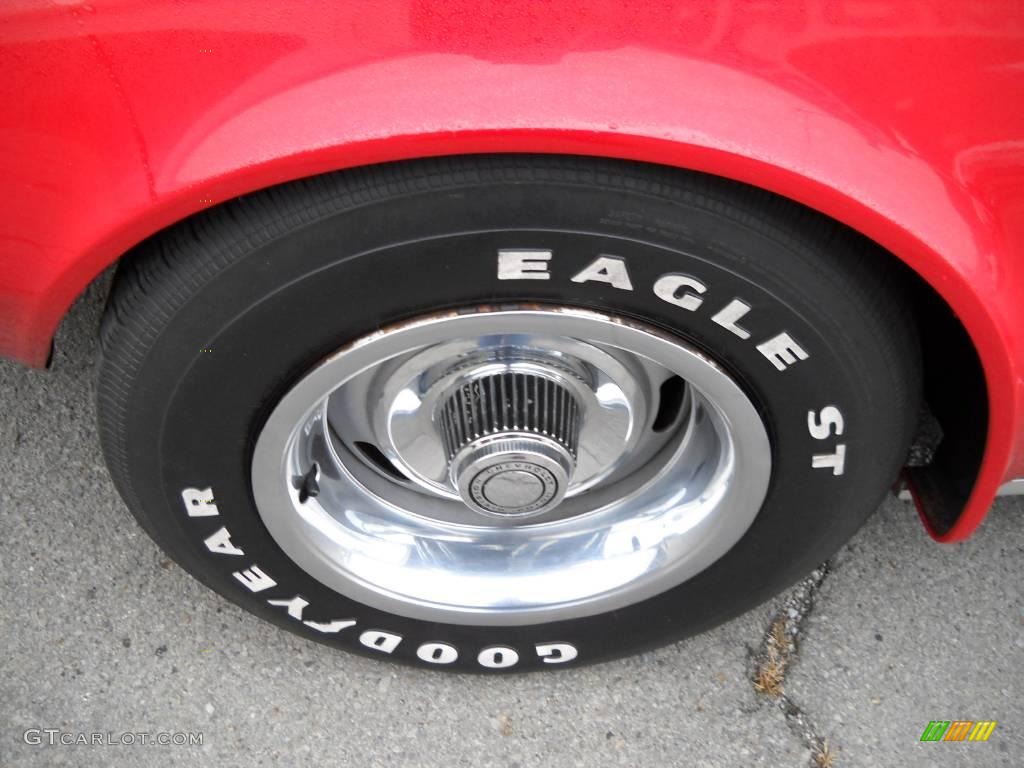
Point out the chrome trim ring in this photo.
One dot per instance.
(664, 485)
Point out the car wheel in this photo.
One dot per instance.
(505, 413)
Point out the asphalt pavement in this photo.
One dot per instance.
(101, 634)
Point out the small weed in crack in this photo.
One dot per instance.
(770, 673)
(779, 648)
(824, 756)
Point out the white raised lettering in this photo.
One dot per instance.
(199, 502)
(606, 269)
(437, 653)
(380, 641)
(219, 543)
(671, 288)
(782, 351)
(835, 460)
(254, 579)
(330, 626)
(295, 606)
(498, 657)
(728, 316)
(556, 653)
(523, 265)
(826, 423)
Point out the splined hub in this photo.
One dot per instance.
(511, 440)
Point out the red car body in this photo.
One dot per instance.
(904, 120)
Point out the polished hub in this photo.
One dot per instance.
(511, 440)
(507, 429)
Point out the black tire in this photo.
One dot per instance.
(208, 325)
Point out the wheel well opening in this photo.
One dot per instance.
(946, 454)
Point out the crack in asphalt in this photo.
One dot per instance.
(779, 648)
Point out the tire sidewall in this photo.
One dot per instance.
(256, 326)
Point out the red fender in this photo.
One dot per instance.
(901, 120)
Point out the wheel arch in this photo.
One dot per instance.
(946, 300)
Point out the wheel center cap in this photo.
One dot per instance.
(511, 440)
(514, 488)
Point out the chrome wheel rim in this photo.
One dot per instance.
(510, 466)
